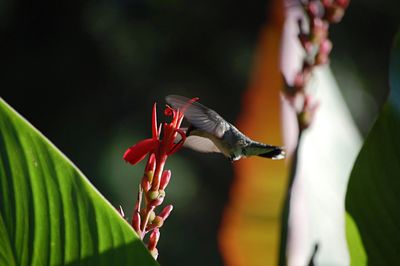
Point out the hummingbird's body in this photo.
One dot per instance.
(209, 132)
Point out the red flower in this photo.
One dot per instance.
(137, 152)
(155, 178)
(167, 145)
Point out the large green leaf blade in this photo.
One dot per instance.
(49, 212)
(373, 194)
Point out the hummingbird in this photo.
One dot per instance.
(209, 132)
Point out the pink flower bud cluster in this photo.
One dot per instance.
(144, 218)
(317, 46)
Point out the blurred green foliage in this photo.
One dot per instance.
(372, 196)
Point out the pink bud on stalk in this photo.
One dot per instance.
(325, 46)
(319, 29)
(157, 202)
(136, 222)
(166, 212)
(166, 176)
(158, 221)
(154, 237)
(313, 37)
(145, 183)
(315, 8)
(151, 164)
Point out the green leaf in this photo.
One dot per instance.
(373, 194)
(356, 248)
(49, 212)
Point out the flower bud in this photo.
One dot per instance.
(334, 14)
(152, 215)
(157, 202)
(166, 212)
(325, 47)
(155, 198)
(136, 222)
(315, 8)
(151, 163)
(152, 195)
(319, 30)
(145, 183)
(158, 221)
(161, 193)
(153, 240)
(166, 176)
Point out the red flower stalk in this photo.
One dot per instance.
(155, 179)
(317, 46)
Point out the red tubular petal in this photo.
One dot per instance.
(154, 122)
(137, 152)
(177, 146)
(178, 115)
(165, 130)
(159, 130)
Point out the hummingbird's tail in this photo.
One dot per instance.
(274, 153)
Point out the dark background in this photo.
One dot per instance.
(86, 73)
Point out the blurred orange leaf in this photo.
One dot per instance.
(249, 233)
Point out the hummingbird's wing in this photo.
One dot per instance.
(200, 116)
(200, 144)
(197, 143)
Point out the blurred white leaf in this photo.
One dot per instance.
(328, 150)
